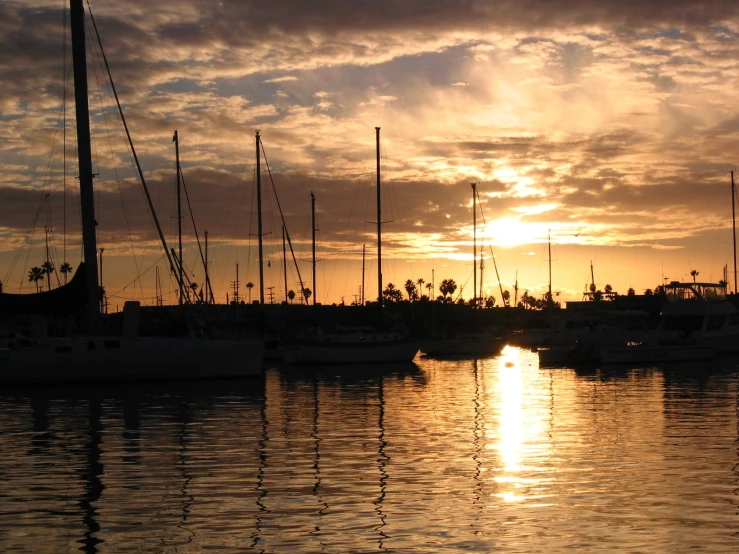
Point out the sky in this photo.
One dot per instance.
(606, 129)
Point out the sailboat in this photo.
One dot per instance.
(473, 343)
(82, 351)
(355, 345)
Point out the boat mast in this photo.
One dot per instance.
(474, 243)
(733, 225)
(284, 262)
(176, 141)
(207, 278)
(592, 282)
(364, 247)
(379, 223)
(87, 201)
(313, 228)
(551, 300)
(259, 221)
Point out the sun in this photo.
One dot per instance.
(510, 233)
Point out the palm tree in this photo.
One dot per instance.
(447, 287)
(306, 294)
(291, 295)
(490, 301)
(194, 288)
(631, 292)
(35, 275)
(694, 274)
(250, 286)
(506, 298)
(608, 289)
(410, 288)
(65, 269)
(430, 288)
(47, 267)
(420, 281)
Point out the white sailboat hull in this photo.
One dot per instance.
(82, 359)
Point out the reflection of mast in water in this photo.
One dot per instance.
(131, 431)
(40, 441)
(316, 464)
(382, 460)
(736, 465)
(91, 477)
(255, 536)
(187, 498)
(478, 436)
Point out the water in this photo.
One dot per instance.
(436, 456)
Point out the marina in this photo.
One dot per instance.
(437, 455)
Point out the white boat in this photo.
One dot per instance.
(696, 323)
(91, 355)
(358, 345)
(350, 346)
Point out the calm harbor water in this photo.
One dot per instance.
(437, 456)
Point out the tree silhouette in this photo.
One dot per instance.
(490, 301)
(35, 275)
(306, 294)
(410, 289)
(430, 288)
(250, 286)
(420, 281)
(194, 288)
(65, 269)
(47, 267)
(447, 287)
(392, 294)
(506, 297)
(631, 292)
(291, 295)
(694, 273)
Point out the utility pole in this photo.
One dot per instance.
(102, 289)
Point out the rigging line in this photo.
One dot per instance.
(116, 293)
(282, 216)
(343, 235)
(27, 239)
(192, 217)
(130, 143)
(492, 255)
(115, 165)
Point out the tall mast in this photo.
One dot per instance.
(259, 221)
(87, 201)
(549, 236)
(364, 248)
(176, 141)
(313, 227)
(592, 281)
(379, 222)
(733, 225)
(284, 262)
(474, 244)
(207, 278)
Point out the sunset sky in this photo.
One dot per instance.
(611, 124)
